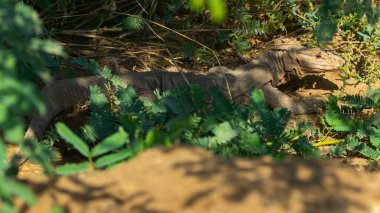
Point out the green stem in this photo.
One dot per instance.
(90, 161)
(269, 143)
(325, 143)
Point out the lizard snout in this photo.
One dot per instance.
(321, 62)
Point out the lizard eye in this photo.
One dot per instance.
(319, 55)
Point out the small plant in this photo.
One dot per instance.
(101, 150)
(356, 118)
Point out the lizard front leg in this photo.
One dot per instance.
(276, 98)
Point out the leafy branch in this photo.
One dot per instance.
(357, 119)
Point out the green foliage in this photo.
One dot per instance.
(100, 111)
(357, 119)
(133, 23)
(57, 209)
(357, 25)
(113, 158)
(73, 139)
(107, 151)
(362, 49)
(241, 45)
(72, 168)
(331, 11)
(182, 115)
(110, 143)
(261, 17)
(247, 23)
(130, 125)
(188, 50)
(11, 188)
(217, 8)
(197, 5)
(23, 55)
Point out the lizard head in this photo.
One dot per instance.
(314, 60)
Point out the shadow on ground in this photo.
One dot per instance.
(184, 179)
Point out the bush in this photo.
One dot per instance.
(22, 57)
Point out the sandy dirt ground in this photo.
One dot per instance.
(185, 179)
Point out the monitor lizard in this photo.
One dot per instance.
(266, 71)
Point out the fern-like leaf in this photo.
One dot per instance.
(222, 107)
(113, 158)
(224, 132)
(110, 143)
(133, 23)
(100, 120)
(73, 139)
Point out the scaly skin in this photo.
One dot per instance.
(266, 71)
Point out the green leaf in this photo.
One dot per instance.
(374, 94)
(218, 10)
(325, 30)
(339, 150)
(57, 209)
(47, 46)
(241, 45)
(20, 190)
(198, 97)
(224, 132)
(188, 50)
(253, 142)
(5, 193)
(118, 82)
(340, 123)
(15, 134)
(223, 36)
(197, 6)
(16, 92)
(133, 23)
(355, 145)
(352, 142)
(24, 192)
(130, 103)
(100, 110)
(91, 64)
(208, 124)
(3, 113)
(328, 24)
(40, 154)
(221, 105)
(3, 152)
(155, 136)
(375, 137)
(304, 148)
(369, 152)
(69, 169)
(364, 36)
(113, 158)
(185, 100)
(8, 207)
(73, 139)
(110, 143)
(257, 101)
